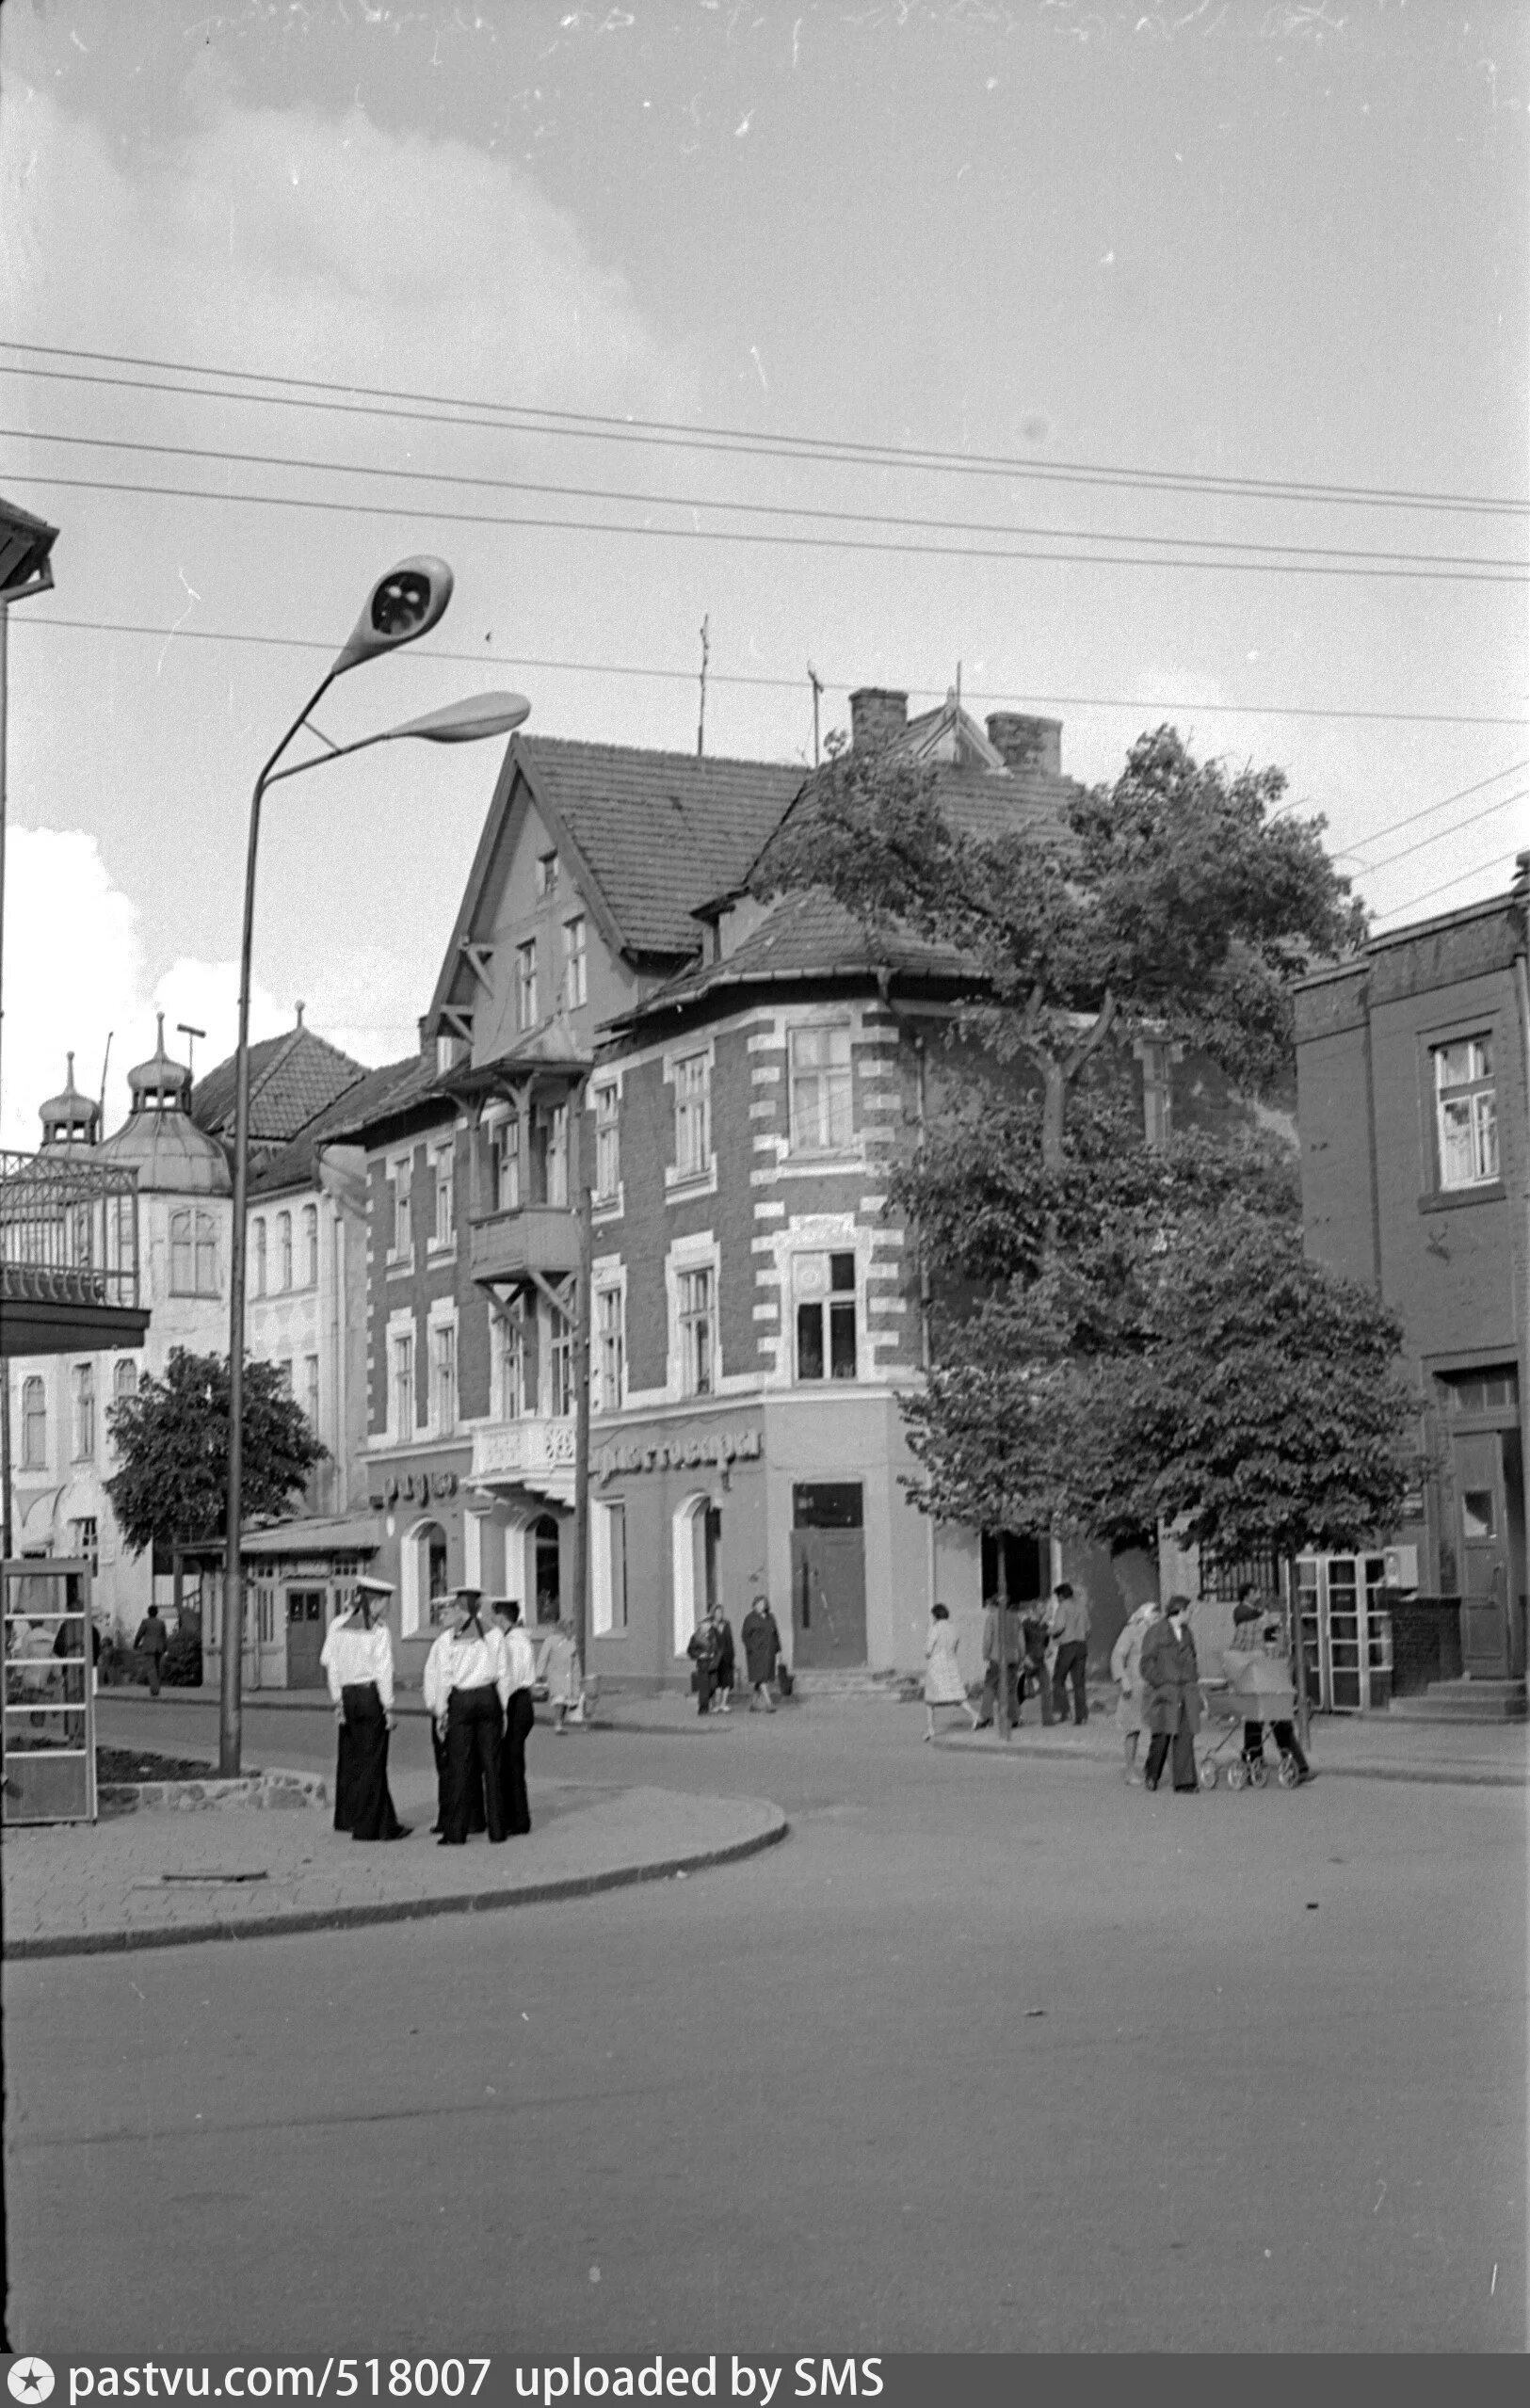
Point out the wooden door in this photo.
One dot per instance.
(828, 1597)
(305, 1637)
(1485, 1554)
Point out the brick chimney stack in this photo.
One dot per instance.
(878, 716)
(1026, 744)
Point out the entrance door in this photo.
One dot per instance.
(1485, 1554)
(305, 1637)
(829, 1576)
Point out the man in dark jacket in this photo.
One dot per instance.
(1172, 1696)
(151, 1641)
(761, 1651)
(704, 1648)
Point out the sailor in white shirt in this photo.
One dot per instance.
(463, 1674)
(358, 1661)
(520, 1672)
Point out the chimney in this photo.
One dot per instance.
(1026, 745)
(878, 716)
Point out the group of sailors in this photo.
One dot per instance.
(477, 1687)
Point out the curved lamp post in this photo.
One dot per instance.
(408, 603)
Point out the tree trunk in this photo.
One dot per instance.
(1054, 1113)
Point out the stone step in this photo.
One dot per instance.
(1466, 1701)
(853, 1681)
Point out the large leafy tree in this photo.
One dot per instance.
(171, 1440)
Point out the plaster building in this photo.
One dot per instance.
(1415, 1145)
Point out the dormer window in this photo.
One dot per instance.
(547, 875)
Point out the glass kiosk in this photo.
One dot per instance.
(48, 1721)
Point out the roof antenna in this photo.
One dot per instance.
(817, 684)
(183, 1028)
(706, 650)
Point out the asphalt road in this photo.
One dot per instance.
(987, 2056)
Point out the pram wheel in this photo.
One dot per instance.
(1208, 1776)
(1259, 1773)
(1237, 1774)
(1288, 1775)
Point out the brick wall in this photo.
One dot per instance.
(1425, 1643)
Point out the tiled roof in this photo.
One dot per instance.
(377, 1092)
(382, 1096)
(291, 1077)
(982, 803)
(660, 831)
(806, 934)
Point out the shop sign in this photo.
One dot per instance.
(721, 1446)
(412, 1488)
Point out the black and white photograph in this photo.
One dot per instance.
(764, 1390)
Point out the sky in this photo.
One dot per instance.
(1277, 244)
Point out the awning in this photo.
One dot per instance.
(357, 1536)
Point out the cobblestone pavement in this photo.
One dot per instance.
(154, 1877)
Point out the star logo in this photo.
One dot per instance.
(30, 2379)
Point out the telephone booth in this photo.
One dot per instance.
(1347, 1631)
(48, 1717)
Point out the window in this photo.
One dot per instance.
(825, 1288)
(311, 1391)
(310, 1245)
(124, 1380)
(193, 1254)
(517, 1364)
(1466, 1112)
(83, 1388)
(505, 1164)
(609, 1568)
(547, 874)
(694, 1289)
(283, 1248)
(820, 1090)
(610, 1338)
(403, 1371)
(34, 1424)
(1494, 1390)
(284, 1374)
(85, 1539)
(693, 1116)
(562, 1364)
(444, 1375)
(607, 1145)
(403, 1245)
(525, 984)
(574, 962)
(444, 1228)
(259, 1282)
(550, 1155)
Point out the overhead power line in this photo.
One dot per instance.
(796, 684)
(759, 537)
(754, 509)
(1395, 910)
(1395, 827)
(1441, 835)
(243, 384)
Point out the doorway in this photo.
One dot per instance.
(1491, 1507)
(828, 1575)
(305, 1638)
(548, 1570)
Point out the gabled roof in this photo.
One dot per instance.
(952, 734)
(291, 1077)
(646, 836)
(295, 1163)
(386, 1096)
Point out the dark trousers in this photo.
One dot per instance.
(477, 1821)
(1285, 1739)
(473, 1725)
(707, 1680)
(1184, 1758)
(1034, 1682)
(362, 1801)
(1072, 1658)
(988, 1705)
(154, 1676)
(512, 1764)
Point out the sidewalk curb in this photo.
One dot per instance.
(403, 1910)
(1463, 1776)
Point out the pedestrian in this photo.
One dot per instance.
(943, 1683)
(1257, 1640)
(1035, 1638)
(1126, 1671)
(762, 1653)
(151, 1641)
(558, 1666)
(704, 1649)
(726, 1661)
(989, 1647)
(465, 1675)
(357, 1660)
(430, 1684)
(520, 1659)
(1172, 1696)
(1070, 1628)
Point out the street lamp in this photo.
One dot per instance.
(408, 603)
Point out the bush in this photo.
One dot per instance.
(181, 1664)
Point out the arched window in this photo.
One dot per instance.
(125, 1379)
(258, 1280)
(34, 1424)
(549, 1578)
(423, 1577)
(193, 1254)
(310, 1245)
(284, 1247)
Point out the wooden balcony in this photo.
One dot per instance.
(69, 1255)
(511, 1248)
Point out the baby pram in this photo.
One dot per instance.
(1256, 1689)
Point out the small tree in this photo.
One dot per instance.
(172, 1441)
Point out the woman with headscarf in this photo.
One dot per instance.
(1126, 1671)
(943, 1683)
(463, 1676)
(358, 1661)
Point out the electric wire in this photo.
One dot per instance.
(1441, 835)
(759, 538)
(535, 418)
(1395, 827)
(1499, 861)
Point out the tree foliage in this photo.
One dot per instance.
(173, 1443)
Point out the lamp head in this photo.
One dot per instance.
(478, 714)
(407, 603)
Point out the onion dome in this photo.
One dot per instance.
(160, 1140)
(70, 1119)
